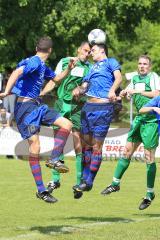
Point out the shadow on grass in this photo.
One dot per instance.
(149, 215)
(101, 219)
(51, 230)
(85, 222)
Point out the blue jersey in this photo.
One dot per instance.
(101, 78)
(155, 102)
(30, 83)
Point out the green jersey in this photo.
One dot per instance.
(146, 83)
(73, 80)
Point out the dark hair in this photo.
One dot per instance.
(146, 57)
(102, 46)
(83, 43)
(44, 44)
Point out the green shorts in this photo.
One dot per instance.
(70, 110)
(145, 132)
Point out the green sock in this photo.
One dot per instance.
(123, 164)
(151, 174)
(56, 175)
(78, 167)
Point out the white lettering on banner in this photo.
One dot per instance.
(11, 143)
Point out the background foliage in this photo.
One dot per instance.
(132, 28)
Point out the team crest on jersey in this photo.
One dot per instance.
(31, 129)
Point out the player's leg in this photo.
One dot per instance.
(133, 141)
(122, 166)
(151, 174)
(78, 151)
(99, 119)
(87, 143)
(60, 140)
(75, 116)
(34, 161)
(78, 159)
(64, 108)
(52, 117)
(28, 118)
(95, 162)
(76, 113)
(54, 183)
(150, 141)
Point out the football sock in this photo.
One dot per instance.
(36, 171)
(79, 168)
(151, 174)
(122, 165)
(96, 159)
(55, 176)
(60, 140)
(86, 159)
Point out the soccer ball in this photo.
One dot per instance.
(97, 36)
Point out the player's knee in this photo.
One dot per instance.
(34, 147)
(127, 152)
(149, 158)
(65, 123)
(78, 148)
(97, 148)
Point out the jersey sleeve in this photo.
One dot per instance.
(114, 64)
(153, 102)
(59, 67)
(154, 81)
(130, 85)
(87, 77)
(49, 74)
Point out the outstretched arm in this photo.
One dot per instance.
(116, 85)
(11, 81)
(79, 90)
(51, 84)
(48, 87)
(149, 109)
(65, 73)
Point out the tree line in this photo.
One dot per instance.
(132, 28)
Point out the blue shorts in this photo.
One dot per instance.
(31, 115)
(96, 119)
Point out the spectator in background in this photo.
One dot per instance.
(5, 121)
(5, 118)
(9, 100)
(117, 107)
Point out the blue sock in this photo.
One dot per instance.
(96, 159)
(36, 171)
(86, 159)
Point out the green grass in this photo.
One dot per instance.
(114, 217)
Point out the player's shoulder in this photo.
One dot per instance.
(113, 63)
(65, 60)
(154, 75)
(112, 60)
(23, 62)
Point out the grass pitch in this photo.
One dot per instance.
(95, 217)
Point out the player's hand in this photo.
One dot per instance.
(4, 94)
(112, 96)
(123, 93)
(72, 63)
(76, 93)
(118, 98)
(133, 91)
